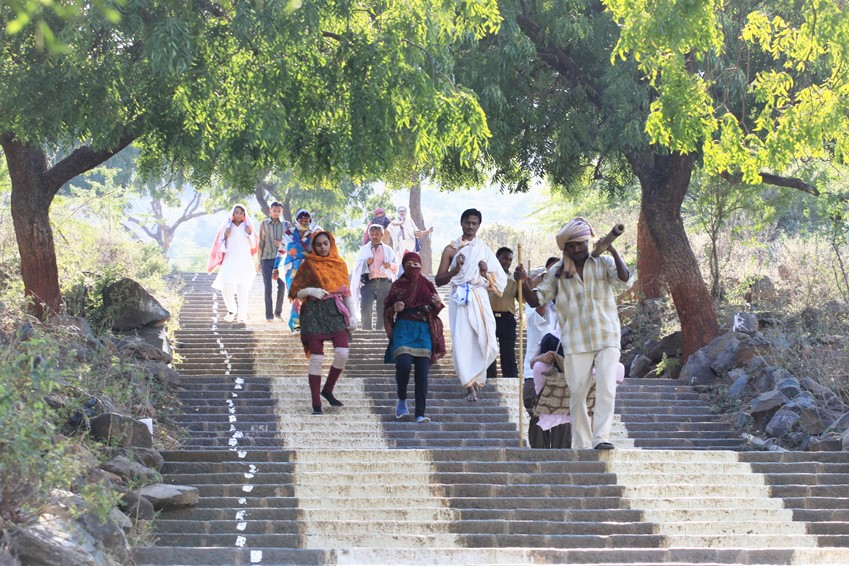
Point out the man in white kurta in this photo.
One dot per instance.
(472, 270)
(404, 233)
(378, 261)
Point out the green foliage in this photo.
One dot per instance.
(34, 460)
(795, 104)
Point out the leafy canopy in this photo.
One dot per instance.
(797, 98)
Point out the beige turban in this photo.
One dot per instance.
(576, 230)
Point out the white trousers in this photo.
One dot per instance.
(579, 376)
(228, 291)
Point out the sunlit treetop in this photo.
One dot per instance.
(794, 57)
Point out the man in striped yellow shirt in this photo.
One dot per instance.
(583, 288)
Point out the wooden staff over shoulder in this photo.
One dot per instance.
(602, 245)
(521, 368)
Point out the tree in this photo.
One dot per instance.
(557, 106)
(326, 88)
(156, 224)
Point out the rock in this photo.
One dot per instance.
(729, 351)
(150, 457)
(168, 376)
(767, 402)
(121, 430)
(697, 370)
(761, 290)
(626, 359)
(627, 336)
(844, 440)
(110, 536)
(164, 496)
(137, 507)
(142, 350)
(108, 479)
(130, 306)
(782, 423)
(41, 545)
(743, 420)
(640, 366)
(812, 418)
(744, 322)
(126, 468)
(120, 519)
(840, 424)
(670, 345)
(764, 379)
(830, 443)
(76, 324)
(738, 387)
(790, 387)
(758, 362)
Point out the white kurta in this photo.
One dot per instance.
(538, 326)
(361, 266)
(403, 236)
(238, 267)
(474, 346)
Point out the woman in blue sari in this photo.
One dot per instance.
(298, 244)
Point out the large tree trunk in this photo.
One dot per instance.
(650, 283)
(33, 188)
(664, 181)
(31, 198)
(418, 218)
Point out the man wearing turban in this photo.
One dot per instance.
(584, 288)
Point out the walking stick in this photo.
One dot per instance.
(520, 370)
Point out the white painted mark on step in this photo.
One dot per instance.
(243, 500)
(247, 488)
(242, 453)
(240, 515)
(249, 475)
(252, 468)
(240, 541)
(232, 442)
(232, 418)
(239, 434)
(232, 428)
(242, 526)
(240, 380)
(256, 556)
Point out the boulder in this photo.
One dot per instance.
(41, 545)
(782, 423)
(697, 370)
(136, 506)
(744, 322)
(841, 423)
(640, 366)
(130, 306)
(790, 387)
(738, 387)
(767, 402)
(670, 345)
(731, 350)
(825, 443)
(109, 535)
(164, 496)
(121, 430)
(150, 457)
(128, 469)
(77, 325)
(764, 379)
(142, 350)
(761, 290)
(167, 376)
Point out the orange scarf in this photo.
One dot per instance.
(329, 273)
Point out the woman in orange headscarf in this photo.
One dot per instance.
(326, 313)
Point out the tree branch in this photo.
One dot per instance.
(558, 59)
(81, 160)
(777, 181)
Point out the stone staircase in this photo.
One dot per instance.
(356, 486)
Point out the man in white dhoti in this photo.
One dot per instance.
(583, 287)
(473, 270)
(404, 233)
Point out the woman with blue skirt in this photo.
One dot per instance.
(414, 329)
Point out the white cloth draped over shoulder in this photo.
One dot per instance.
(361, 266)
(473, 325)
(403, 235)
(238, 266)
